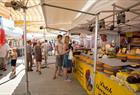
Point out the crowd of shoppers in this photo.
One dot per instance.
(38, 51)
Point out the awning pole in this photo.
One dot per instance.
(69, 9)
(25, 55)
(129, 8)
(56, 29)
(44, 34)
(95, 52)
(124, 9)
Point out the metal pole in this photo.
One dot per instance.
(113, 16)
(69, 9)
(95, 50)
(44, 34)
(25, 54)
(56, 29)
(128, 9)
(119, 40)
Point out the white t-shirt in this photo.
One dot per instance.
(60, 47)
(4, 49)
(45, 47)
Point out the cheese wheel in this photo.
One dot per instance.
(100, 69)
(133, 57)
(121, 55)
(111, 69)
(107, 66)
(134, 87)
(108, 72)
(100, 63)
(122, 75)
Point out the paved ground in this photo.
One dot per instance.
(9, 68)
(45, 85)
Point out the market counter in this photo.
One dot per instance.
(115, 62)
(105, 86)
(84, 73)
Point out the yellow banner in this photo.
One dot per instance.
(106, 86)
(84, 74)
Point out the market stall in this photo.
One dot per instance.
(112, 74)
(112, 67)
(106, 64)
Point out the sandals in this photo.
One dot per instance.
(54, 77)
(39, 72)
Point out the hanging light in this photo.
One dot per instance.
(121, 17)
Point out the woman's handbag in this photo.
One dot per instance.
(70, 57)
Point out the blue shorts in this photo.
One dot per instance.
(13, 62)
(66, 62)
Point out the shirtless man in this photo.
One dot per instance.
(59, 56)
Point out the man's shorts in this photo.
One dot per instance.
(1, 62)
(59, 60)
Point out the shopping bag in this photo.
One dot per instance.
(70, 57)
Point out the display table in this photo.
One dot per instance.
(104, 85)
(83, 72)
(115, 62)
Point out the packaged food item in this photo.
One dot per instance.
(108, 72)
(122, 75)
(133, 78)
(134, 87)
(138, 51)
(133, 58)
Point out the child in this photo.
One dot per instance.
(13, 60)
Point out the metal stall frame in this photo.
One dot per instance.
(96, 25)
(96, 31)
(25, 54)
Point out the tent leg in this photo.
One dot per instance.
(25, 56)
(95, 51)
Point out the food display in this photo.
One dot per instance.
(130, 80)
(107, 51)
(86, 55)
(100, 66)
(119, 66)
(111, 70)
